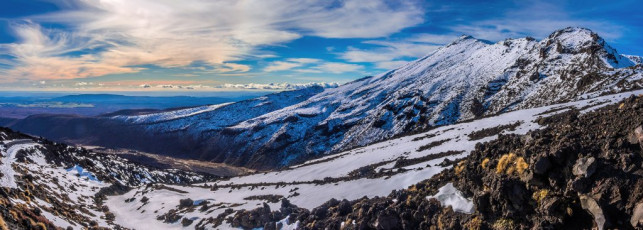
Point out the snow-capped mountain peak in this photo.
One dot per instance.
(466, 79)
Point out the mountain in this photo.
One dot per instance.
(563, 166)
(466, 79)
(122, 130)
(18, 107)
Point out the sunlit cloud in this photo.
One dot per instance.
(119, 36)
(289, 64)
(391, 54)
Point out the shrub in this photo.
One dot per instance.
(484, 163)
(474, 224)
(3, 225)
(510, 163)
(460, 167)
(540, 195)
(41, 226)
(503, 223)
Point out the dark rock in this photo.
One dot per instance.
(542, 165)
(186, 222)
(184, 203)
(270, 226)
(387, 220)
(344, 207)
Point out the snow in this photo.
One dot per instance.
(171, 115)
(9, 157)
(450, 196)
(80, 172)
(288, 226)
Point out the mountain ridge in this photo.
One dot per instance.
(465, 79)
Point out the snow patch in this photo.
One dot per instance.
(450, 196)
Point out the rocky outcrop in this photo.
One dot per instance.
(581, 171)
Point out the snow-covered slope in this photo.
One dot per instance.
(373, 170)
(466, 79)
(60, 180)
(213, 117)
(635, 59)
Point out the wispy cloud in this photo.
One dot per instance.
(289, 64)
(310, 65)
(108, 37)
(391, 54)
(337, 67)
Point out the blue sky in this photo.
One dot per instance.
(138, 45)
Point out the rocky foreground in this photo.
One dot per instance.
(583, 171)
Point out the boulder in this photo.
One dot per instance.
(186, 222)
(584, 167)
(184, 203)
(637, 215)
(590, 205)
(542, 165)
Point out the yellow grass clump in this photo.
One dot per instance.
(474, 224)
(3, 225)
(484, 163)
(41, 226)
(460, 167)
(540, 195)
(502, 224)
(510, 163)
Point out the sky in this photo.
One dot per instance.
(221, 45)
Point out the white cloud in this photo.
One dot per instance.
(303, 60)
(389, 53)
(126, 33)
(233, 67)
(281, 66)
(290, 63)
(338, 67)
